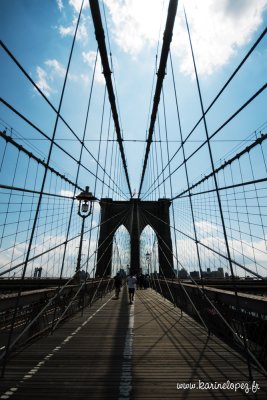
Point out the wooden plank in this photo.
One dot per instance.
(124, 351)
(180, 352)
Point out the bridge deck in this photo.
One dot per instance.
(121, 351)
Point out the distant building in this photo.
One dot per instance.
(214, 274)
(194, 274)
(220, 273)
(182, 274)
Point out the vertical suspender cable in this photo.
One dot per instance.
(219, 200)
(186, 170)
(41, 193)
(170, 177)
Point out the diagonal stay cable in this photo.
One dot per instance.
(211, 249)
(56, 144)
(241, 108)
(9, 139)
(49, 103)
(242, 184)
(203, 293)
(180, 283)
(56, 246)
(39, 202)
(216, 97)
(11, 345)
(77, 177)
(218, 198)
(237, 156)
(83, 283)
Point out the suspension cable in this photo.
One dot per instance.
(161, 75)
(216, 98)
(100, 37)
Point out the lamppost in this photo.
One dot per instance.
(85, 199)
(148, 259)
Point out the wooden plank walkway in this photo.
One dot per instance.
(121, 351)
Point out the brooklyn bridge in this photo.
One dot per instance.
(112, 167)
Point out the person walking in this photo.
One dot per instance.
(118, 285)
(131, 282)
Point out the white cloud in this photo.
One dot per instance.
(96, 207)
(42, 82)
(241, 252)
(82, 33)
(12, 256)
(85, 79)
(76, 4)
(56, 67)
(255, 249)
(66, 31)
(206, 227)
(133, 25)
(53, 73)
(69, 30)
(60, 5)
(67, 193)
(218, 29)
(89, 59)
(56, 70)
(46, 77)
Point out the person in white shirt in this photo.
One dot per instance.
(131, 282)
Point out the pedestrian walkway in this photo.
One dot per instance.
(147, 350)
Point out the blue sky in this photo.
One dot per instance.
(39, 34)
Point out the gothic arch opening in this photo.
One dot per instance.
(121, 252)
(149, 257)
(157, 216)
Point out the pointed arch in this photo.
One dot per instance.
(149, 246)
(121, 251)
(135, 215)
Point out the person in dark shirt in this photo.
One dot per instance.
(118, 285)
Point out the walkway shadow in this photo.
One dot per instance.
(113, 376)
(211, 358)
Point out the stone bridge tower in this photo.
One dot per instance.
(137, 215)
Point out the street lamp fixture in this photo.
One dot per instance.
(86, 200)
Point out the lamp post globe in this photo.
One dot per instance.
(85, 200)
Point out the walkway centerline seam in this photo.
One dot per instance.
(36, 368)
(126, 373)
